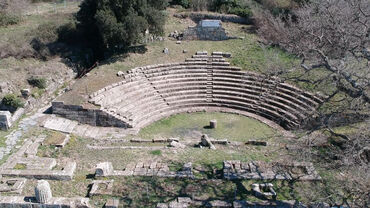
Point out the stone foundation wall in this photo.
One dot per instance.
(197, 16)
(93, 117)
(205, 33)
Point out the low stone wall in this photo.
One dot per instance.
(204, 33)
(197, 16)
(93, 117)
(30, 202)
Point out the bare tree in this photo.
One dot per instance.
(331, 35)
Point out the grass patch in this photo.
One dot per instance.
(229, 126)
(20, 166)
(54, 138)
(156, 152)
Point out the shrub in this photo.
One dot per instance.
(243, 12)
(11, 100)
(37, 82)
(183, 3)
(7, 19)
(46, 33)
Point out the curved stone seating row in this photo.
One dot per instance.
(201, 83)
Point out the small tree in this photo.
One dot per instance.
(12, 101)
(117, 24)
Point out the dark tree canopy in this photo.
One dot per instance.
(118, 24)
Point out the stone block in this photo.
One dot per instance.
(100, 187)
(112, 203)
(177, 145)
(43, 192)
(5, 120)
(104, 169)
(213, 124)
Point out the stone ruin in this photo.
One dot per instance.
(5, 120)
(258, 170)
(205, 82)
(43, 199)
(205, 141)
(12, 185)
(184, 202)
(43, 192)
(206, 30)
(101, 187)
(26, 164)
(264, 191)
(159, 169)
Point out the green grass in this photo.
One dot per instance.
(20, 166)
(229, 126)
(156, 152)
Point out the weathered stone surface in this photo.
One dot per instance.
(266, 171)
(104, 169)
(43, 192)
(55, 202)
(93, 117)
(112, 203)
(5, 120)
(264, 191)
(120, 73)
(12, 185)
(100, 187)
(177, 145)
(213, 124)
(206, 142)
(206, 30)
(60, 124)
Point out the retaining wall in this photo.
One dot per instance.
(93, 117)
(197, 16)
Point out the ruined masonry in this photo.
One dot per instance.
(206, 30)
(154, 168)
(201, 83)
(259, 170)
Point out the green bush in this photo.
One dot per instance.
(7, 19)
(47, 32)
(115, 25)
(37, 82)
(13, 101)
(183, 3)
(242, 12)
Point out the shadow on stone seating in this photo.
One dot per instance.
(48, 111)
(30, 199)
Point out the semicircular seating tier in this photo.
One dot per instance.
(202, 83)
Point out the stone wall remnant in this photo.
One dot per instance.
(264, 191)
(260, 170)
(206, 30)
(5, 120)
